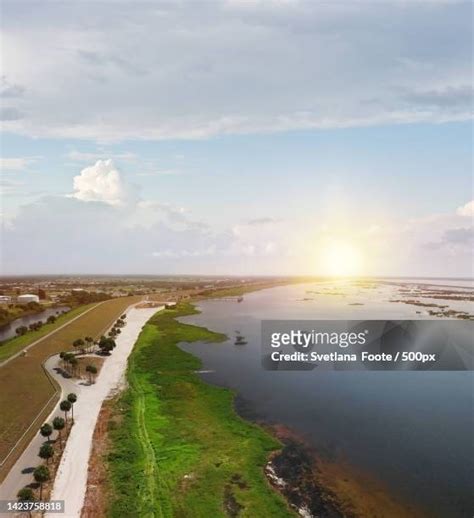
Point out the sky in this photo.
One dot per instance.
(279, 137)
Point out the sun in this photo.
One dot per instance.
(341, 259)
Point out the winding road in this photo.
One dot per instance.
(71, 478)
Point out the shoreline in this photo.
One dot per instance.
(291, 469)
(318, 486)
(160, 460)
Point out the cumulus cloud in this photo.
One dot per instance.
(115, 244)
(466, 210)
(100, 182)
(156, 72)
(159, 237)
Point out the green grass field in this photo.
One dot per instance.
(26, 388)
(13, 345)
(180, 450)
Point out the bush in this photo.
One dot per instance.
(22, 330)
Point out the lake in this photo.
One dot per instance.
(413, 431)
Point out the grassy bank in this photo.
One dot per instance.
(13, 345)
(177, 447)
(236, 291)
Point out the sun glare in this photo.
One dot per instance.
(341, 259)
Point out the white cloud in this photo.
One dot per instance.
(156, 71)
(103, 231)
(466, 210)
(15, 164)
(100, 182)
(79, 156)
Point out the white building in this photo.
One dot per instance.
(4, 299)
(28, 297)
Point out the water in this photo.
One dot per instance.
(411, 430)
(8, 331)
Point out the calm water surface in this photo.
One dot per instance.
(414, 431)
(8, 331)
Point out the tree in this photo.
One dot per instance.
(72, 398)
(35, 326)
(58, 425)
(46, 430)
(74, 363)
(41, 475)
(79, 343)
(67, 356)
(46, 451)
(89, 341)
(65, 406)
(106, 345)
(51, 319)
(26, 495)
(66, 360)
(124, 316)
(91, 371)
(22, 330)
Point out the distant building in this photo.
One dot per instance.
(170, 305)
(5, 299)
(28, 297)
(78, 290)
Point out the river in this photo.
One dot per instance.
(8, 331)
(413, 431)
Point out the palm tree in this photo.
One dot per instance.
(106, 345)
(46, 451)
(65, 406)
(74, 364)
(41, 475)
(92, 371)
(89, 341)
(46, 430)
(79, 343)
(26, 495)
(59, 424)
(67, 357)
(72, 398)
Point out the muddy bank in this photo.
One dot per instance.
(292, 472)
(318, 487)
